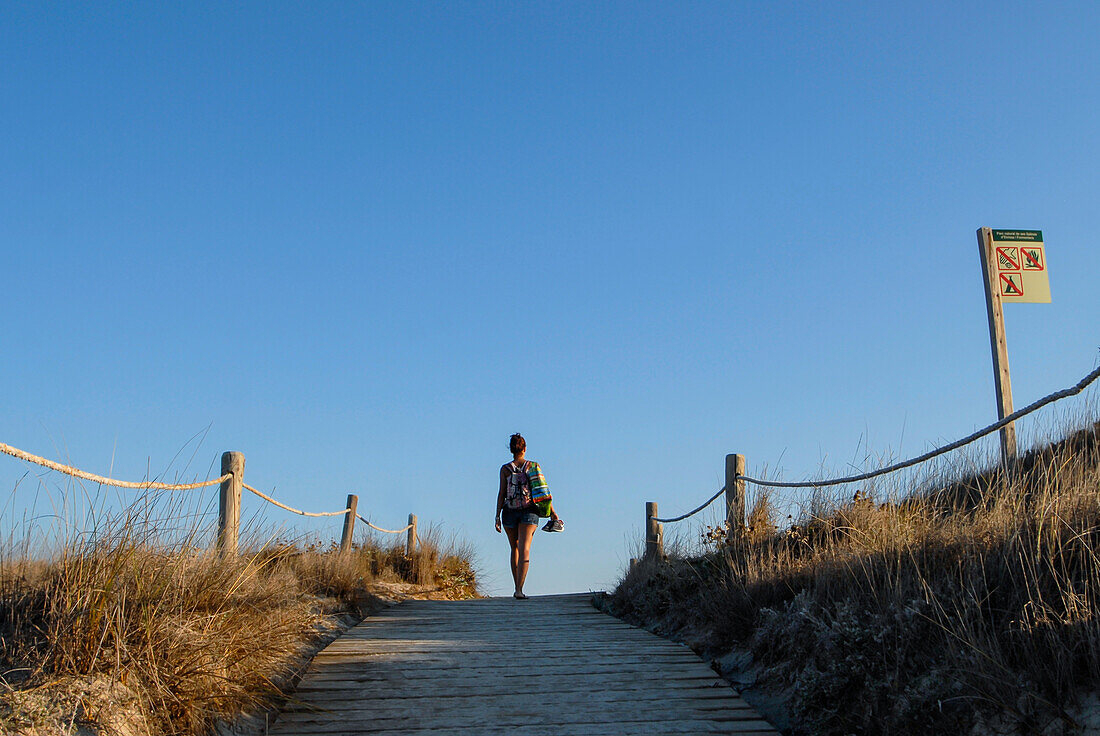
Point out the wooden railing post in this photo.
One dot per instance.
(735, 497)
(654, 547)
(410, 541)
(1002, 379)
(229, 503)
(349, 523)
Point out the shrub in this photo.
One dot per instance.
(182, 636)
(914, 613)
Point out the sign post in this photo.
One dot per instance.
(1014, 267)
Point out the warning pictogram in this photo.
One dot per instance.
(1012, 284)
(1033, 258)
(1019, 266)
(1008, 259)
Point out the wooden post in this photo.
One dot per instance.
(229, 503)
(349, 523)
(654, 547)
(735, 497)
(997, 343)
(410, 542)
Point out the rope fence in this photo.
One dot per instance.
(411, 541)
(291, 509)
(386, 531)
(694, 511)
(1048, 399)
(736, 478)
(77, 473)
(232, 483)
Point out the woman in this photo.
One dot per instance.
(517, 514)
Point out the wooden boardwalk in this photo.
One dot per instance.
(548, 665)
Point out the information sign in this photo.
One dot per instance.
(1021, 266)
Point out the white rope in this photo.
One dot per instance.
(291, 509)
(706, 503)
(386, 531)
(77, 473)
(1048, 399)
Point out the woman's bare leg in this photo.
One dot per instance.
(523, 547)
(514, 559)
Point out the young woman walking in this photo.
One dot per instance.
(517, 514)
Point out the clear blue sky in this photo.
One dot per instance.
(367, 242)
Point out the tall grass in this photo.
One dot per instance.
(132, 611)
(971, 596)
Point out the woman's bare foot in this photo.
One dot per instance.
(519, 596)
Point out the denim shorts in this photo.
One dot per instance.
(512, 518)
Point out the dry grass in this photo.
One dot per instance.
(185, 637)
(910, 613)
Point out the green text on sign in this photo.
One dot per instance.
(1029, 236)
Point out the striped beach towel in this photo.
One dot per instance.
(540, 489)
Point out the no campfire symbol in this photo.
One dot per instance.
(1033, 259)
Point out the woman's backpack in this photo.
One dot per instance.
(517, 494)
(527, 487)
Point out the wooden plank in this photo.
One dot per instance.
(502, 712)
(493, 652)
(489, 619)
(462, 638)
(392, 702)
(495, 630)
(548, 603)
(384, 666)
(634, 728)
(573, 633)
(398, 675)
(492, 622)
(440, 667)
(477, 617)
(477, 660)
(430, 669)
(485, 711)
(475, 684)
(499, 716)
(583, 649)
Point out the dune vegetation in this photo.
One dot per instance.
(966, 602)
(133, 628)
